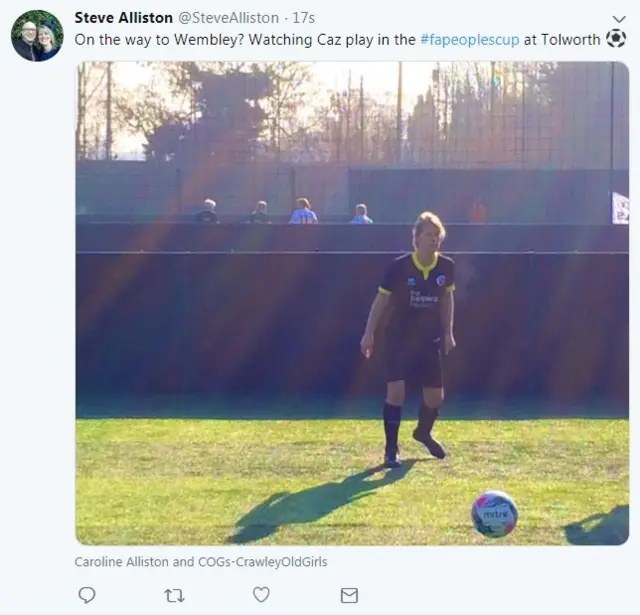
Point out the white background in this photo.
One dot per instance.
(37, 408)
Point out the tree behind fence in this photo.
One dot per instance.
(263, 132)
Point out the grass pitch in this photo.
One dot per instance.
(317, 482)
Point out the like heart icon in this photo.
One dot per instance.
(260, 593)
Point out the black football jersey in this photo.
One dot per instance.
(416, 295)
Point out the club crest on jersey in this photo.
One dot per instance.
(411, 281)
(441, 280)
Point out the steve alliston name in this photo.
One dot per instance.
(139, 17)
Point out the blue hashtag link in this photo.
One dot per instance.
(423, 39)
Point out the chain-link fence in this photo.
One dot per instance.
(161, 137)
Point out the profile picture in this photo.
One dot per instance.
(37, 36)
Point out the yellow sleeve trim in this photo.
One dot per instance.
(383, 291)
(450, 289)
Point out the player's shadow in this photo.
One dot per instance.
(314, 503)
(610, 528)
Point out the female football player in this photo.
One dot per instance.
(418, 289)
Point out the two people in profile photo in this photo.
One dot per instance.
(36, 40)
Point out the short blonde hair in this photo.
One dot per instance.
(427, 217)
(304, 203)
(362, 209)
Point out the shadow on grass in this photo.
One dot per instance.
(610, 528)
(296, 407)
(311, 505)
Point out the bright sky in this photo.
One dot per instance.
(380, 79)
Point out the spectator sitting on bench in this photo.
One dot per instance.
(361, 216)
(303, 215)
(208, 213)
(259, 215)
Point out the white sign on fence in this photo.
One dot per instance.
(620, 209)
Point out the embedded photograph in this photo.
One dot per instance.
(381, 303)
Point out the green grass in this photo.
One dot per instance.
(205, 482)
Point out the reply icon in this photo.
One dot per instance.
(86, 594)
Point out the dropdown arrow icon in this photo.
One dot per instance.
(620, 19)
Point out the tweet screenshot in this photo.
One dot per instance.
(317, 309)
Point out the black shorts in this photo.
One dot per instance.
(416, 363)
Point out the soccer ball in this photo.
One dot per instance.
(494, 514)
(616, 38)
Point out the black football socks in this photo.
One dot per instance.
(426, 418)
(392, 416)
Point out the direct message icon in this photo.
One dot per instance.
(86, 594)
(349, 595)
